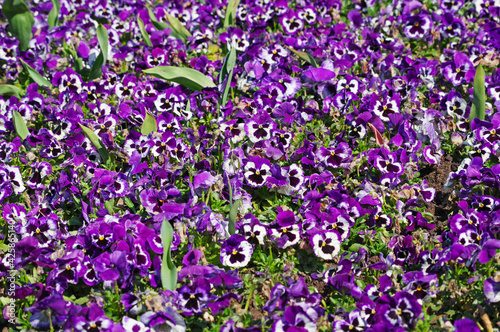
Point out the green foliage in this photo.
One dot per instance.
(102, 37)
(230, 16)
(227, 73)
(144, 33)
(10, 90)
(478, 108)
(168, 269)
(21, 21)
(178, 28)
(96, 141)
(53, 18)
(149, 125)
(190, 78)
(35, 76)
(20, 125)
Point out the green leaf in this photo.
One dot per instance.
(10, 90)
(53, 18)
(81, 300)
(233, 212)
(478, 108)
(20, 21)
(227, 72)
(109, 205)
(168, 269)
(96, 141)
(178, 28)
(149, 125)
(158, 25)
(144, 33)
(20, 125)
(190, 78)
(355, 247)
(35, 76)
(230, 17)
(228, 65)
(305, 56)
(102, 37)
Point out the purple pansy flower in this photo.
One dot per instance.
(236, 251)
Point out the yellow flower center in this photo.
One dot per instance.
(68, 267)
(234, 252)
(257, 172)
(101, 237)
(37, 230)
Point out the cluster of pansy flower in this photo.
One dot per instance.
(333, 110)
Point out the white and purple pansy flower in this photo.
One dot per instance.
(385, 107)
(326, 245)
(40, 171)
(131, 325)
(236, 251)
(257, 170)
(308, 14)
(387, 162)
(339, 156)
(286, 229)
(259, 128)
(459, 70)
(291, 23)
(417, 26)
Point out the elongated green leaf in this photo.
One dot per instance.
(478, 108)
(227, 73)
(53, 18)
(149, 125)
(305, 56)
(20, 21)
(230, 17)
(35, 76)
(144, 33)
(96, 141)
(228, 65)
(188, 77)
(102, 37)
(233, 212)
(10, 90)
(20, 125)
(178, 27)
(168, 269)
(157, 24)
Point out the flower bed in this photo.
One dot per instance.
(250, 165)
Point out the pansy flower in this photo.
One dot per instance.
(291, 23)
(257, 170)
(131, 325)
(254, 231)
(383, 109)
(451, 6)
(296, 179)
(236, 251)
(40, 171)
(451, 27)
(402, 310)
(193, 299)
(387, 162)
(326, 245)
(354, 322)
(156, 58)
(335, 157)
(417, 26)
(459, 70)
(307, 14)
(285, 229)
(234, 129)
(68, 80)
